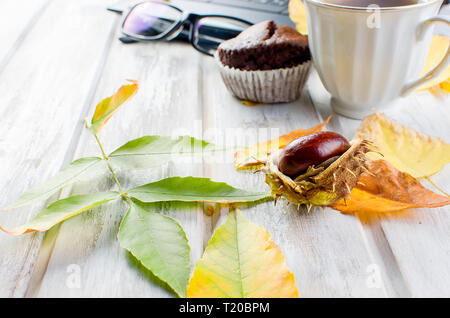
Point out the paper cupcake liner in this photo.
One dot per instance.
(272, 86)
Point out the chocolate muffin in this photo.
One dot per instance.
(264, 46)
(265, 63)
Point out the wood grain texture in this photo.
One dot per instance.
(166, 104)
(377, 246)
(49, 82)
(16, 24)
(326, 252)
(419, 238)
(42, 94)
(411, 248)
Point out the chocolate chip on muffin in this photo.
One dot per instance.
(264, 46)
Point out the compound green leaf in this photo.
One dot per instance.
(62, 210)
(159, 243)
(191, 189)
(154, 151)
(81, 169)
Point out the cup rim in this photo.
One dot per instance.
(322, 3)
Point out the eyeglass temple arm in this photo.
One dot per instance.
(127, 40)
(119, 6)
(119, 11)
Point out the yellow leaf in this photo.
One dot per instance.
(445, 86)
(107, 107)
(409, 151)
(255, 155)
(438, 48)
(242, 261)
(297, 13)
(385, 189)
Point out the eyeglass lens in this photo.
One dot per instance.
(151, 19)
(211, 31)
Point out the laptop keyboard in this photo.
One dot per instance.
(273, 6)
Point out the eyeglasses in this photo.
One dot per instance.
(154, 20)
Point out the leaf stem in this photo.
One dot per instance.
(122, 192)
(101, 147)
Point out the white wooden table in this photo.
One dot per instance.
(58, 58)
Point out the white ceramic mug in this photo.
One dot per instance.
(366, 57)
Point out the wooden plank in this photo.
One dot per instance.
(419, 238)
(326, 252)
(43, 92)
(410, 248)
(166, 104)
(16, 24)
(330, 254)
(384, 262)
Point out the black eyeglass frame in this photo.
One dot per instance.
(186, 18)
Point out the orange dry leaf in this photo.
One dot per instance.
(297, 13)
(255, 155)
(386, 189)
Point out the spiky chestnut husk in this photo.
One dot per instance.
(322, 185)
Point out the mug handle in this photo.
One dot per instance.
(438, 68)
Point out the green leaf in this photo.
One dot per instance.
(191, 189)
(78, 170)
(107, 107)
(63, 209)
(242, 261)
(154, 151)
(159, 243)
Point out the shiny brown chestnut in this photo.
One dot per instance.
(311, 150)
